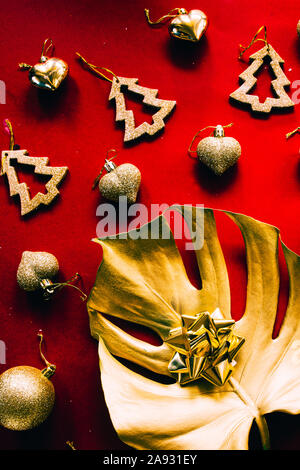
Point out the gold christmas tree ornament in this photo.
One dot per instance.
(242, 94)
(36, 272)
(122, 180)
(40, 165)
(217, 152)
(188, 26)
(27, 395)
(50, 72)
(205, 347)
(298, 28)
(165, 107)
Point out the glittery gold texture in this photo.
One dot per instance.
(41, 167)
(26, 398)
(219, 153)
(35, 267)
(241, 94)
(122, 114)
(124, 180)
(298, 28)
(205, 347)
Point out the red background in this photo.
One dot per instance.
(76, 127)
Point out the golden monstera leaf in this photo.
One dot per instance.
(144, 281)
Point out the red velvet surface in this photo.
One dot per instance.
(77, 126)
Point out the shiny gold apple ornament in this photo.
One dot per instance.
(189, 26)
(50, 72)
(217, 152)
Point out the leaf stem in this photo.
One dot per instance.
(264, 431)
(260, 420)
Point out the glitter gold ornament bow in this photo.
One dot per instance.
(205, 347)
(165, 107)
(41, 167)
(282, 100)
(143, 280)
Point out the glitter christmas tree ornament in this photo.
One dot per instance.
(132, 132)
(217, 152)
(188, 26)
(40, 165)
(27, 395)
(50, 72)
(243, 95)
(298, 28)
(36, 272)
(123, 180)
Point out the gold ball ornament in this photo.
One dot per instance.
(218, 152)
(298, 28)
(26, 398)
(27, 395)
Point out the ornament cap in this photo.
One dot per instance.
(109, 165)
(48, 288)
(219, 131)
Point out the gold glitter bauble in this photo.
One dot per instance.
(219, 152)
(123, 180)
(34, 268)
(298, 28)
(26, 398)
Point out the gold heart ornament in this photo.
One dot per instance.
(189, 26)
(123, 180)
(49, 73)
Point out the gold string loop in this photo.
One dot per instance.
(96, 69)
(71, 445)
(171, 14)
(199, 132)
(290, 134)
(24, 66)
(8, 128)
(50, 368)
(60, 285)
(46, 48)
(115, 153)
(254, 40)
